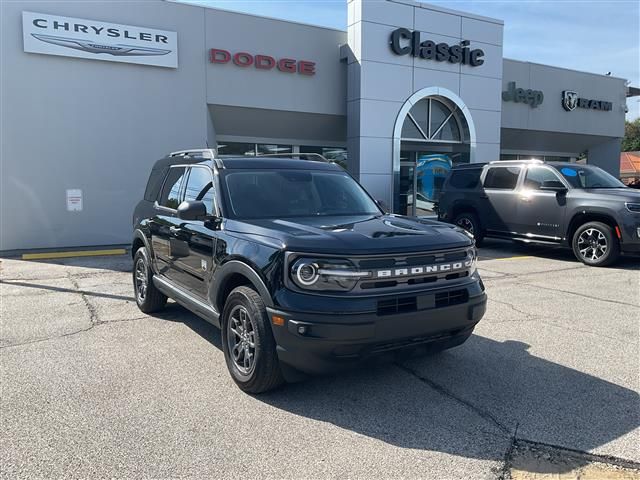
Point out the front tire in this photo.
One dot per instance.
(148, 298)
(469, 222)
(248, 343)
(595, 244)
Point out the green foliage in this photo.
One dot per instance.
(631, 140)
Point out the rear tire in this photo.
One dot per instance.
(248, 343)
(469, 222)
(595, 244)
(148, 298)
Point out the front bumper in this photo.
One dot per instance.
(317, 343)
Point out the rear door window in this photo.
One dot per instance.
(502, 178)
(171, 194)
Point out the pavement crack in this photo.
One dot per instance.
(484, 414)
(93, 312)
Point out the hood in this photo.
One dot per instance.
(622, 194)
(355, 235)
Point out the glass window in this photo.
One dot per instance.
(170, 196)
(580, 176)
(335, 154)
(295, 193)
(200, 187)
(508, 156)
(466, 178)
(271, 149)
(503, 178)
(536, 176)
(236, 148)
(552, 158)
(431, 119)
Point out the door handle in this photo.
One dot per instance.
(174, 230)
(525, 199)
(485, 197)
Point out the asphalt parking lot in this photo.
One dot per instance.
(91, 387)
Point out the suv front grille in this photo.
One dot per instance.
(422, 302)
(410, 280)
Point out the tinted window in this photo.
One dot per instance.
(504, 178)
(536, 176)
(170, 196)
(154, 184)
(465, 178)
(200, 187)
(295, 193)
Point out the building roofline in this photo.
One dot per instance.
(562, 68)
(438, 8)
(195, 3)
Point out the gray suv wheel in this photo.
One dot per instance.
(595, 244)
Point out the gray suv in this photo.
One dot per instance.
(580, 206)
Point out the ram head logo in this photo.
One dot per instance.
(569, 100)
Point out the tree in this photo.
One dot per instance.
(631, 140)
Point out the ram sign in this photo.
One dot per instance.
(96, 40)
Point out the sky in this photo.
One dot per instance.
(592, 36)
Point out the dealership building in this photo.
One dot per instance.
(92, 93)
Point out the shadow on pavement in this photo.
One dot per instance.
(499, 387)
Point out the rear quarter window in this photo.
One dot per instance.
(465, 179)
(154, 183)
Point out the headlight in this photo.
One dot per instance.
(633, 207)
(325, 274)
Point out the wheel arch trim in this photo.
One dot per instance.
(226, 270)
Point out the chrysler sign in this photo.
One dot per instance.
(96, 40)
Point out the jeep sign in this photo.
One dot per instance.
(519, 95)
(96, 40)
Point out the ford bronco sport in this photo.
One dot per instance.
(580, 206)
(298, 266)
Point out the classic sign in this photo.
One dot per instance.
(405, 42)
(571, 100)
(95, 40)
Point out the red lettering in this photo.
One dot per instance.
(287, 65)
(306, 68)
(265, 62)
(243, 59)
(217, 55)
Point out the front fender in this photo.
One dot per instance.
(224, 271)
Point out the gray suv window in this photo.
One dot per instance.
(502, 178)
(467, 178)
(536, 176)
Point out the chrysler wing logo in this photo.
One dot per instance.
(93, 47)
(569, 100)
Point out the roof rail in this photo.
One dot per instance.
(531, 160)
(196, 152)
(309, 156)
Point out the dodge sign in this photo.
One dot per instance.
(96, 40)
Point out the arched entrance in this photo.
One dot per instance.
(433, 131)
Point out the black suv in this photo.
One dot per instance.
(557, 203)
(298, 266)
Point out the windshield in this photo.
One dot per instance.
(581, 176)
(294, 193)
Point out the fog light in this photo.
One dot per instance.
(638, 232)
(302, 330)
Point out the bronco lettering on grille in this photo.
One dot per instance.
(414, 271)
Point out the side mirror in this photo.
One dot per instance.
(192, 211)
(553, 186)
